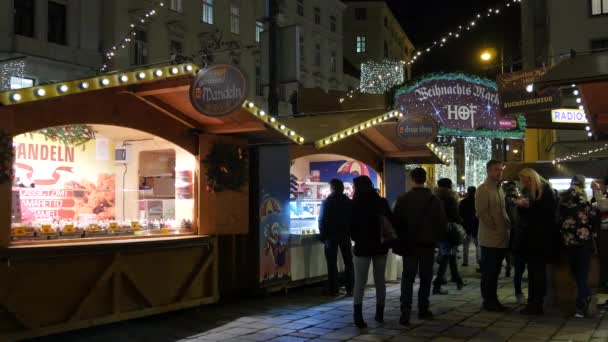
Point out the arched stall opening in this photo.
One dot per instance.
(102, 182)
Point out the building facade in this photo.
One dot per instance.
(48, 41)
(365, 41)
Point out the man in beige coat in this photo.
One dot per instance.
(494, 227)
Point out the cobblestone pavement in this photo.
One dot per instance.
(303, 315)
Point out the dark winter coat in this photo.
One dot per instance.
(468, 215)
(450, 204)
(420, 220)
(540, 236)
(365, 226)
(334, 219)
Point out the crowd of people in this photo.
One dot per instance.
(527, 228)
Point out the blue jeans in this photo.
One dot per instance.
(579, 259)
(491, 263)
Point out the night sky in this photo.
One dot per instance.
(425, 21)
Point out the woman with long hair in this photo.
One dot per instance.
(366, 231)
(537, 210)
(576, 227)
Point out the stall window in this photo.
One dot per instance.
(235, 18)
(56, 23)
(300, 8)
(207, 15)
(24, 17)
(317, 16)
(599, 7)
(96, 181)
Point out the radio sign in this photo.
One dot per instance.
(573, 116)
(219, 90)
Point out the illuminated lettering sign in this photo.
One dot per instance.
(574, 116)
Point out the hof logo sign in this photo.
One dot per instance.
(218, 90)
(417, 129)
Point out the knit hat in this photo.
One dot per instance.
(578, 180)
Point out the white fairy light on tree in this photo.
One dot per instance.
(8, 69)
(446, 171)
(379, 77)
(477, 152)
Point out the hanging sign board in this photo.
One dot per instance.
(462, 105)
(517, 94)
(417, 129)
(219, 90)
(571, 116)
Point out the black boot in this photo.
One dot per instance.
(358, 316)
(379, 314)
(404, 319)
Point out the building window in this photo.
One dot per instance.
(386, 22)
(333, 62)
(175, 48)
(259, 88)
(599, 7)
(361, 44)
(207, 16)
(318, 54)
(57, 23)
(302, 51)
(235, 15)
(140, 48)
(24, 17)
(332, 23)
(259, 28)
(385, 50)
(360, 14)
(317, 16)
(21, 82)
(300, 8)
(176, 5)
(599, 45)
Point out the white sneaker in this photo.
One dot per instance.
(520, 299)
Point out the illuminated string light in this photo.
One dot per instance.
(379, 77)
(580, 154)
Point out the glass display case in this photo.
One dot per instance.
(304, 215)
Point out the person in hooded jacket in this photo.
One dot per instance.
(447, 252)
(470, 221)
(366, 231)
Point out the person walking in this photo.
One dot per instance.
(470, 222)
(493, 233)
(519, 264)
(576, 222)
(420, 224)
(447, 250)
(537, 208)
(366, 231)
(334, 225)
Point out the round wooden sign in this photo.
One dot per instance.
(417, 129)
(219, 90)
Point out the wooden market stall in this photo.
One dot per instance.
(94, 251)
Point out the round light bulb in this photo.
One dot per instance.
(250, 105)
(16, 97)
(334, 138)
(84, 85)
(326, 141)
(124, 78)
(273, 119)
(188, 67)
(174, 70)
(578, 100)
(575, 93)
(587, 128)
(300, 139)
(158, 73)
(530, 88)
(105, 81)
(282, 126)
(63, 88)
(262, 113)
(40, 92)
(292, 133)
(141, 75)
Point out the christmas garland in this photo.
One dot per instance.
(7, 156)
(226, 168)
(75, 135)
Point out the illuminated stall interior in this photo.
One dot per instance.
(114, 181)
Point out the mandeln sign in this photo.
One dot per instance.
(461, 104)
(218, 90)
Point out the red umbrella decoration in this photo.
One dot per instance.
(355, 168)
(269, 206)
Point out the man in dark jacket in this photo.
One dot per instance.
(334, 222)
(421, 224)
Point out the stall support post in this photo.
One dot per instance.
(394, 180)
(5, 214)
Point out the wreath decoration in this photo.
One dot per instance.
(226, 168)
(76, 135)
(7, 156)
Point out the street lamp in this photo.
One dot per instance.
(488, 55)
